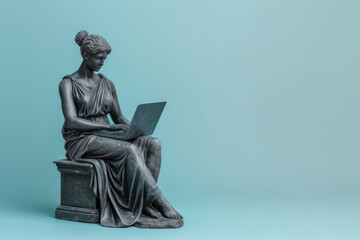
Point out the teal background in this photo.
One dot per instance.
(260, 134)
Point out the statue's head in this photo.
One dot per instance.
(94, 49)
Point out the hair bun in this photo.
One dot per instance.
(80, 37)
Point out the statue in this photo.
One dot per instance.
(126, 171)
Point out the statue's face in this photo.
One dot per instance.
(95, 61)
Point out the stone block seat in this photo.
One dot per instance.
(78, 202)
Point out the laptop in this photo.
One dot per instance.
(143, 122)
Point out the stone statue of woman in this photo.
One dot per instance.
(126, 171)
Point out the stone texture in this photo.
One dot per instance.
(78, 202)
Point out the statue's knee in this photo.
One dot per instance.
(155, 145)
(132, 155)
(131, 151)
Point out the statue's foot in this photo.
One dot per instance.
(150, 211)
(165, 208)
(172, 214)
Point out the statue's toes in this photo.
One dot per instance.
(176, 216)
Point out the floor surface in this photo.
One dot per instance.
(253, 219)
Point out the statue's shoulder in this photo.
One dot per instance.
(65, 82)
(104, 77)
(69, 77)
(109, 82)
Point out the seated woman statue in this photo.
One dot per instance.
(126, 171)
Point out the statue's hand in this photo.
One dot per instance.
(115, 127)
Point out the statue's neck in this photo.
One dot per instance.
(84, 71)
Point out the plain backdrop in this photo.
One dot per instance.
(263, 96)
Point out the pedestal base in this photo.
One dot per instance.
(77, 214)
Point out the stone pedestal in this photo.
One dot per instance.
(78, 202)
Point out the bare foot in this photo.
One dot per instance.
(164, 207)
(150, 211)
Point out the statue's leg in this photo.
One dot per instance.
(152, 156)
(151, 148)
(153, 160)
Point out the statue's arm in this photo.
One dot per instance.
(69, 111)
(115, 113)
